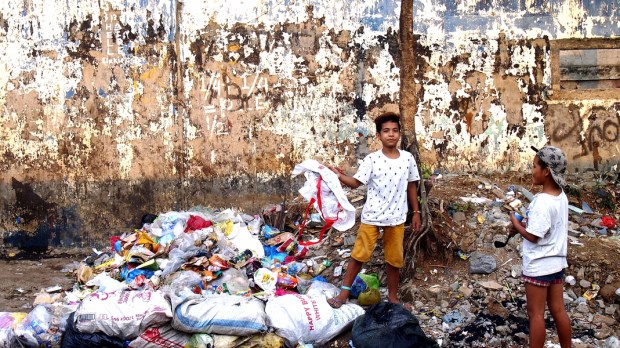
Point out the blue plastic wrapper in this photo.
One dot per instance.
(118, 246)
(269, 231)
(130, 275)
(357, 287)
(270, 250)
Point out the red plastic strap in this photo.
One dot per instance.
(328, 222)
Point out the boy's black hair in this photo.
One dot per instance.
(386, 117)
(542, 163)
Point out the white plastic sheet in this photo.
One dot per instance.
(334, 201)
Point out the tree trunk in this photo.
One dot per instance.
(408, 109)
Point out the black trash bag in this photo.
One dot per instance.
(147, 218)
(389, 325)
(72, 338)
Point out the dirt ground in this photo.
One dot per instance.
(24, 275)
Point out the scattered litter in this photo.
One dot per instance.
(575, 209)
(586, 208)
(608, 222)
(476, 200)
(591, 293)
(53, 289)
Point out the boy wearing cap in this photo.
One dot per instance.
(545, 245)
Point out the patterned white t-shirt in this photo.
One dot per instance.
(386, 179)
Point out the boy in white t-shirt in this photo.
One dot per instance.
(545, 244)
(391, 176)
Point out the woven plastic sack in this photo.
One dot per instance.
(161, 337)
(302, 319)
(122, 314)
(218, 314)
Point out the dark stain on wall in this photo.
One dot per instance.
(126, 34)
(4, 24)
(29, 206)
(91, 211)
(87, 38)
(197, 48)
(154, 34)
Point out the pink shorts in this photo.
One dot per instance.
(546, 280)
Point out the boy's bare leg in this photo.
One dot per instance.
(393, 277)
(555, 302)
(536, 297)
(353, 269)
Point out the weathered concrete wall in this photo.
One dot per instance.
(110, 109)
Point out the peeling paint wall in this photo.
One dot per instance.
(111, 109)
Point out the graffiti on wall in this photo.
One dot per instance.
(225, 94)
(111, 42)
(594, 131)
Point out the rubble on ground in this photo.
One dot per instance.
(465, 301)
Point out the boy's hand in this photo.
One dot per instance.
(512, 231)
(416, 223)
(516, 221)
(336, 170)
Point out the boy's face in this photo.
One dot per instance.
(538, 173)
(390, 134)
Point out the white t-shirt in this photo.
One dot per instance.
(386, 179)
(547, 218)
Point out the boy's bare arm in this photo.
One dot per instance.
(412, 197)
(517, 227)
(346, 179)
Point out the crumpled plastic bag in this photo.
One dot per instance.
(369, 297)
(72, 338)
(8, 322)
(362, 282)
(44, 325)
(324, 289)
(195, 222)
(389, 325)
(608, 221)
(334, 201)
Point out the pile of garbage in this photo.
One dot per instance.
(210, 278)
(197, 278)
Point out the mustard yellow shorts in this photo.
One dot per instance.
(392, 243)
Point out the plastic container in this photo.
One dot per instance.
(519, 217)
